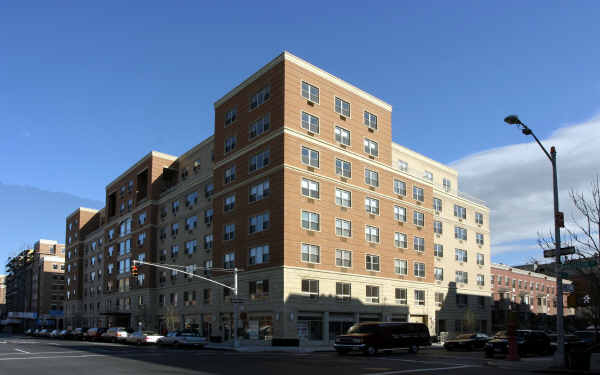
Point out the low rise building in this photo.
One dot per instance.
(530, 295)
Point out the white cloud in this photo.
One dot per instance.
(516, 181)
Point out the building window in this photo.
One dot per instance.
(462, 277)
(418, 194)
(420, 297)
(343, 168)
(258, 289)
(259, 161)
(209, 190)
(343, 292)
(343, 228)
(400, 187)
(311, 253)
(310, 288)
(260, 97)
(259, 191)
(229, 203)
(478, 218)
(439, 298)
(438, 273)
(372, 205)
(447, 184)
(460, 233)
(400, 240)
(229, 174)
(480, 280)
(310, 122)
(342, 136)
(437, 227)
(258, 223)
(372, 294)
(229, 261)
(310, 157)
(402, 165)
(142, 218)
(401, 294)
(190, 247)
(479, 238)
(311, 220)
(371, 178)
(343, 258)
(401, 267)
(460, 212)
(310, 92)
(460, 255)
(310, 188)
(229, 233)
(419, 269)
(371, 147)
(437, 204)
(208, 241)
(428, 176)
(370, 120)
(259, 126)
(419, 243)
(230, 116)
(400, 214)
(372, 262)
(371, 234)
(481, 262)
(208, 216)
(230, 143)
(343, 198)
(342, 107)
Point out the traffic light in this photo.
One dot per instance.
(134, 271)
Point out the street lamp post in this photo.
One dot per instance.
(559, 357)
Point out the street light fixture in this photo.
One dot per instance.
(559, 358)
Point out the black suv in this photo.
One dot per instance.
(528, 342)
(373, 336)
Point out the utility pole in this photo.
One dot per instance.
(235, 299)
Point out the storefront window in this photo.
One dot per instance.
(310, 328)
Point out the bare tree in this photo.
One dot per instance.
(584, 234)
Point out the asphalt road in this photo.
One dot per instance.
(29, 356)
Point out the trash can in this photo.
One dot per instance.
(578, 357)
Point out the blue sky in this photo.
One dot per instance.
(86, 89)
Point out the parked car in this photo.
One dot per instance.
(43, 333)
(53, 333)
(587, 336)
(78, 333)
(188, 337)
(115, 334)
(36, 332)
(467, 341)
(63, 334)
(29, 332)
(374, 336)
(143, 337)
(94, 334)
(528, 342)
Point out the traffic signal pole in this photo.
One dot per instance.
(234, 288)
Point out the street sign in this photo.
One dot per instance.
(579, 264)
(551, 253)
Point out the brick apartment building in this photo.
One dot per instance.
(531, 294)
(302, 189)
(35, 286)
(2, 297)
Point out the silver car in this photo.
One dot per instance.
(183, 338)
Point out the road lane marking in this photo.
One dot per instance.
(416, 361)
(61, 356)
(22, 351)
(419, 370)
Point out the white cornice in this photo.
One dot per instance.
(313, 69)
(424, 159)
